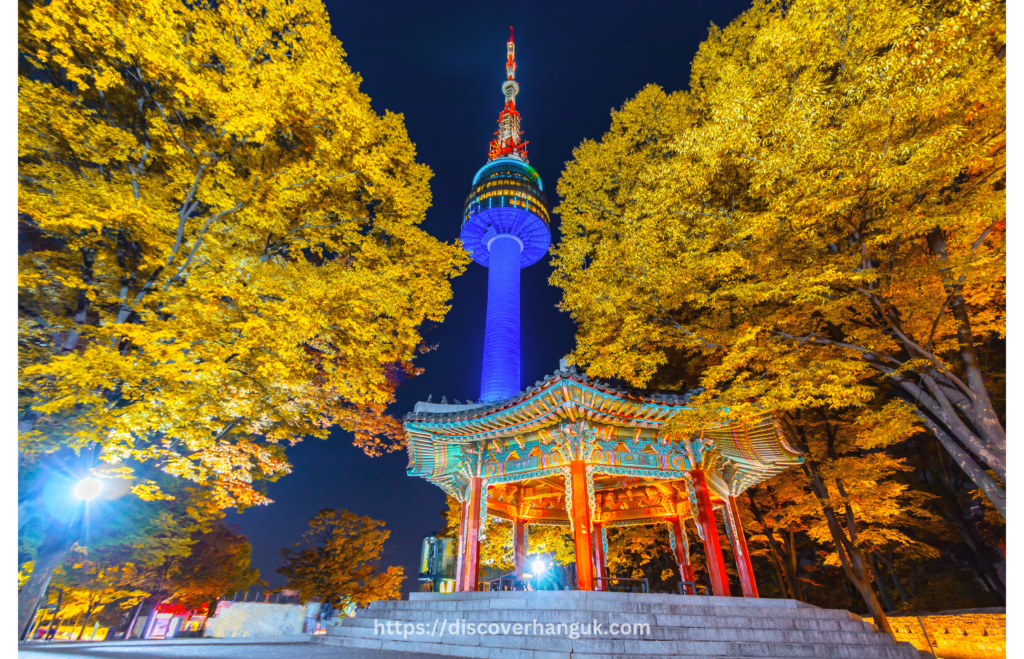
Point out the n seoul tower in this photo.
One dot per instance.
(505, 226)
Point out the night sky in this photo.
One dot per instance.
(442, 66)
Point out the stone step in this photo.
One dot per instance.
(433, 634)
(699, 607)
(498, 647)
(596, 595)
(851, 624)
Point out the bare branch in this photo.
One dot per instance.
(199, 239)
(935, 324)
(187, 207)
(984, 234)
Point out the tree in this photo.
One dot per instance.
(219, 563)
(643, 551)
(452, 515)
(114, 529)
(853, 481)
(164, 561)
(88, 584)
(135, 549)
(496, 545)
(555, 541)
(214, 561)
(219, 250)
(779, 510)
(337, 560)
(818, 219)
(974, 533)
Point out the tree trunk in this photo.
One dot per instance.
(74, 625)
(880, 582)
(58, 540)
(891, 565)
(992, 455)
(788, 570)
(982, 566)
(53, 628)
(794, 565)
(88, 614)
(35, 621)
(777, 564)
(149, 606)
(984, 417)
(994, 491)
(986, 572)
(131, 621)
(850, 556)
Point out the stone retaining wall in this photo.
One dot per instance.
(243, 619)
(961, 636)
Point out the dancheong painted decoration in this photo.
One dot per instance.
(572, 451)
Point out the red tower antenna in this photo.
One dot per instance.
(509, 143)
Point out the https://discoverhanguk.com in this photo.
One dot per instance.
(462, 628)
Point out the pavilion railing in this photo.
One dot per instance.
(690, 588)
(507, 582)
(611, 584)
(624, 584)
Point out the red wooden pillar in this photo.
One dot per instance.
(689, 576)
(460, 560)
(581, 525)
(472, 535)
(599, 558)
(519, 548)
(739, 549)
(712, 545)
(682, 559)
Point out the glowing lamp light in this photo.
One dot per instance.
(538, 567)
(88, 489)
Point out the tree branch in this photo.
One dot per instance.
(199, 239)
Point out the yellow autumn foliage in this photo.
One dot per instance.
(820, 215)
(220, 242)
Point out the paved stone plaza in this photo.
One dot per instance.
(204, 648)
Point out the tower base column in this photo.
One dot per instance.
(502, 362)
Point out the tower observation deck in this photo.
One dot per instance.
(505, 227)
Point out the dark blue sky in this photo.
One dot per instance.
(442, 66)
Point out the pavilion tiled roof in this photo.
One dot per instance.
(438, 412)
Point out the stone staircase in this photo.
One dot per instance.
(679, 626)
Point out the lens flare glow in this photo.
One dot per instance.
(88, 489)
(538, 567)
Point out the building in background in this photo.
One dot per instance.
(437, 565)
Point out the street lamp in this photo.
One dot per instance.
(88, 489)
(56, 489)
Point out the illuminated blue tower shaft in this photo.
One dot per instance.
(502, 359)
(505, 226)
